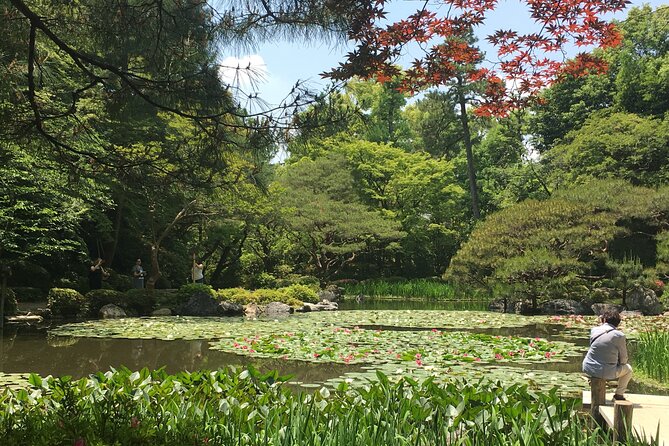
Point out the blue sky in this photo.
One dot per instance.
(283, 63)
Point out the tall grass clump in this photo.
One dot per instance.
(414, 288)
(652, 355)
(229, 407)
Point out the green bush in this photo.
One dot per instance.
(290, 295)
(311, 281)
(29, 294)
(65, 302)
(185, 292)
(167, 298)
(97, 299)
(140, 301)
(265, 296)
(296, 279)
(263, 280)
(119, 282)
(237, 295)
(300, 293)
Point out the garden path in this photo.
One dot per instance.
(650, 411)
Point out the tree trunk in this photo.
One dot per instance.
(118, 220)
(471, 170)
(155, 268)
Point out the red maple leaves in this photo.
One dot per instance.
(526, 62)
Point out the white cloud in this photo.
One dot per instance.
(244, 73)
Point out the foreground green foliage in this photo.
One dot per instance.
(227, 407)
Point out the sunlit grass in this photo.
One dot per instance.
(415, 288)
(652, 355)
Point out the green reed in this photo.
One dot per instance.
(229, 407)
(652, 355)
(414, 288)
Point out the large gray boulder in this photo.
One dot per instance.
(320, 306)
(162, 312)
(230, 309)
(199, 304)
(564, 306)
(203, 304)
(331, 293)
(252, 310)
(598, 309)
(644, 300)
(513, 306)
(111, 311)
(277, 310)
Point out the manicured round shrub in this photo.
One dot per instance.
(265, 296)
(300, 293)
(237, 295)
(65, 302)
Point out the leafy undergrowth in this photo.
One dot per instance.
(244, 408)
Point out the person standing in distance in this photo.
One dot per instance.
(138, 274)
(197, 271)
(607, 356)
(96, 273)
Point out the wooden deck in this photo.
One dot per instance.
(650, 412)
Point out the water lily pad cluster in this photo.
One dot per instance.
(422, 348)
(13, 380)
(416, 343)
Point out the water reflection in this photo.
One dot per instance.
(26, 349)
(30, 350)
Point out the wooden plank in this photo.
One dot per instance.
(650, 411)
(646, 400)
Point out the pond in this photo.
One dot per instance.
(348, 345)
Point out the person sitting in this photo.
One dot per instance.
(607, 356)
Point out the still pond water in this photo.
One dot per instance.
(29, 349)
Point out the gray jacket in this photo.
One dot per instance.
(608, 350)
